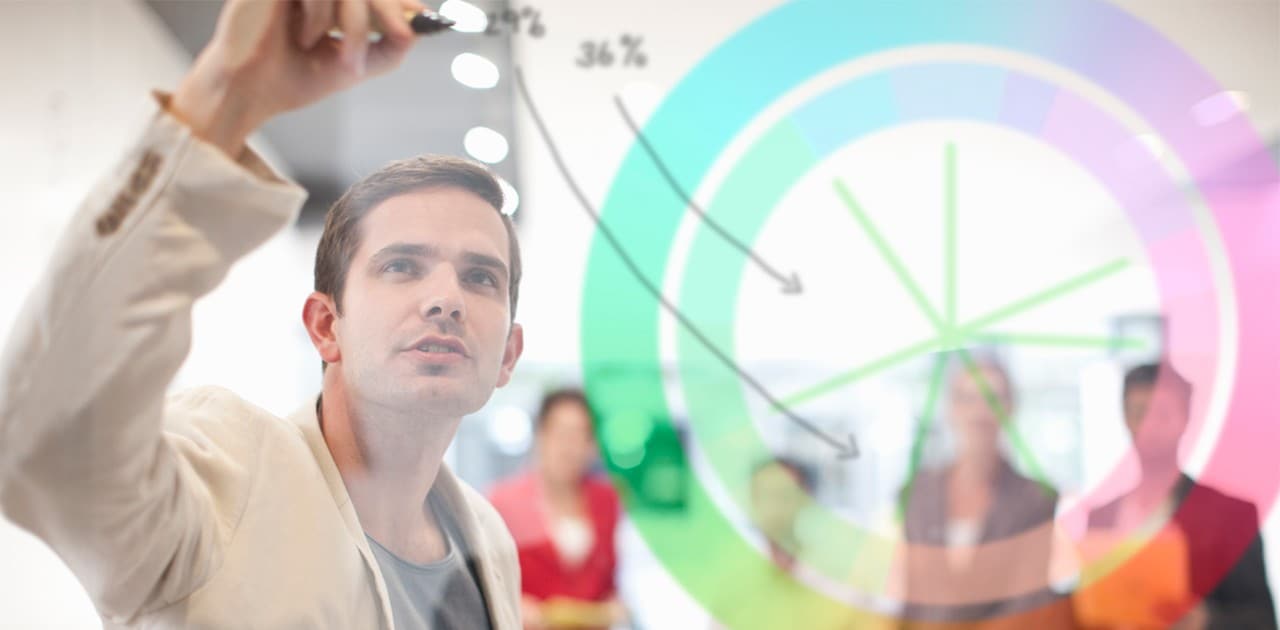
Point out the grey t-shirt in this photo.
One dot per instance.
(442, 595)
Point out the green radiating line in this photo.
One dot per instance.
(890, 257)
(1046, 295)
(972, 331)
(922, 432)
(861, 371)
(1063, 341)
(950, 219)
(1020, 448)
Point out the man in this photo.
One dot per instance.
(203, 511)
(1228, 576)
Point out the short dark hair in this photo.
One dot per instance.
(341, 236)
(803, 472)
(558, 397)
(1149, 374)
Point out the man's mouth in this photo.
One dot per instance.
(440, 346)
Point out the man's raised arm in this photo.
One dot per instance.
(83, 461)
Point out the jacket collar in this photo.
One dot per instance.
(307, 420)
(450, 491)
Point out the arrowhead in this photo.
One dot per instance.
(849, 451)
(792, 286)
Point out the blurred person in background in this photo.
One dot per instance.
(976, 526)
(1218, 577)
(203, 510)
(781, 489)
(563, 518)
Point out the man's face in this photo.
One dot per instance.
(1156, 418)
(426, 320)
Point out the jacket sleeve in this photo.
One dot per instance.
(84, 464)
(1242, 599)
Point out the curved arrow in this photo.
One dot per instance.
(790, 284)
(845, 449)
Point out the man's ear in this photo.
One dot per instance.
(320, 316)
(515, 346)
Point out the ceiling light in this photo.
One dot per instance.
(468, 17)
(475, 71)
(510, 198)
(486, 145)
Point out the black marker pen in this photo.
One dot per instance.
(428, 22)
(425, 22)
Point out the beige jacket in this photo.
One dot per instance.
(200, 511)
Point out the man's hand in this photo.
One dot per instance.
(270, 56)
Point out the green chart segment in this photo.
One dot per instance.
(718, 409)
(622, 366)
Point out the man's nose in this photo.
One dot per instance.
(442, 295)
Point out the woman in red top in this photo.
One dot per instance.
(563, 521)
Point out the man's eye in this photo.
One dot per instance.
(401, 266)
(480, 276)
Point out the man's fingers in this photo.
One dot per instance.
(390, 18)
(412, 5)
(318, 17)
(353, 18)
(397, 39)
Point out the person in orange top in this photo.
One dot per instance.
(1226, 570)
(563, 519)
